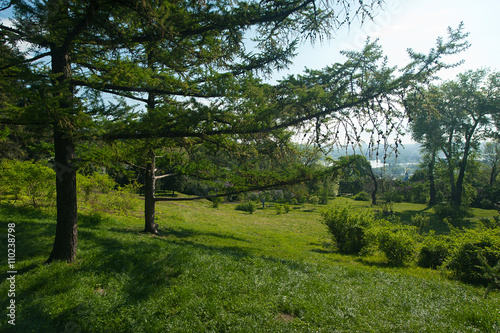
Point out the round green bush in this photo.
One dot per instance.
(247, 207)
(434, 251)
(347, 228)
(467, 249)
(362, 196)
(398, 243)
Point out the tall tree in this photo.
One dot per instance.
(491, 155)
(454, 117)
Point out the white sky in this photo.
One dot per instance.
(416, 24)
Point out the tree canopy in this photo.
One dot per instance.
(454, 118)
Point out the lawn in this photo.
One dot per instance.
(222, 270)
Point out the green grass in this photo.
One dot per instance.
(222, 270)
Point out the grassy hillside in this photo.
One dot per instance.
(222, 270)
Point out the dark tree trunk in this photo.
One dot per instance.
(65, 241)
(375, 187)
(149, 200)
(432, 182)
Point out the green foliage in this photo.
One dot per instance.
(286, 208)
(491, 274)
(249, 206)
(93, 184)
(420, 221)
(434, 251)
(362, 196)
(468, 248)
(397, 242)
(314, 200)
(35, 180)
(302, 199)
(216, 201)
(393, 196)
(347, 228)
(452, 214)
(278, 208)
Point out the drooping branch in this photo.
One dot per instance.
(40, 56)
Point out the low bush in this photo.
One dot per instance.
(434, 251)
(362, 196)
(314, 200)
(94, 184)
(32, 179)
(420, 221)
(286, 208)
(347, 228)
(451, 213)
(468, 248)
(247, 207)
(397, 242)
(216, 201)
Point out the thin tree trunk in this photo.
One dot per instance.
(149, 199)
(375, 189)
(432, 182)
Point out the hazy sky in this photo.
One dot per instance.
(416, 24)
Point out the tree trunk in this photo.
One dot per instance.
(375, 189)
(65, 241)
(149, 200)
(432, 182)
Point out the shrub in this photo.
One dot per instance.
(286, 208)
(393, 196)
(247, 207)
(468, 247)
(35, 180)
(420, 221)
(434, 251)
(347, 228)
(294, 201)
(314, 200)
(93, 184)
(455, 215)
(397, 242)
(278, 208)
(216, 201)
(362, 196)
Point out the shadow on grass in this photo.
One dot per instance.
(34, 231)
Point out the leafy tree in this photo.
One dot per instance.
(358, 165)
(492, 160)
(454, 117)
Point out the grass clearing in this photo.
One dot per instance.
(222, 270)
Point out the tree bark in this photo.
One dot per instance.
(432, 182)
(375, 187)
(149, 199)
(65, 242)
